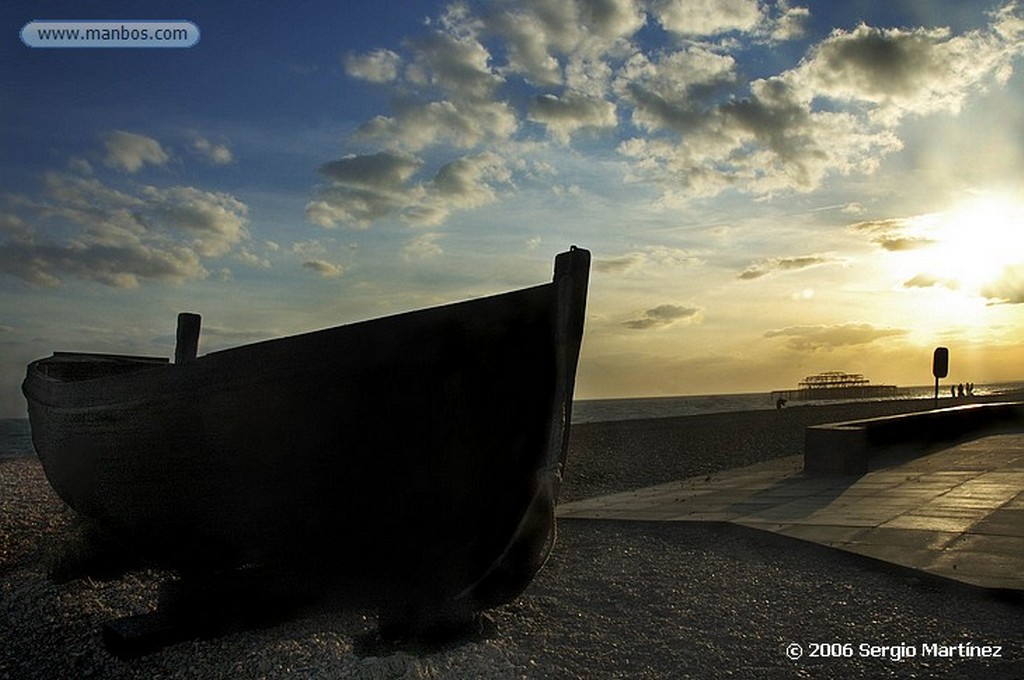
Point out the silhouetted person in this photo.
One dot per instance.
(952, 391)
(779, 403)
(960, 390)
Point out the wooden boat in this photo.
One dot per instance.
(421, 452)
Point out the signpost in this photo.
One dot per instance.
(940, 368)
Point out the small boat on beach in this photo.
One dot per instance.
(421, 453)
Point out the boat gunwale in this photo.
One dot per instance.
(219, 359)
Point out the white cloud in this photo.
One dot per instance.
(619, 264)
(121, 238)
(902, 71)
(1008, 287)
(378, 66)
(529, 46)
(589, 77)
(662, 316)
(310, 247)
(13, 225)
(895, 234)
(218, 154)
(325, 269)
(929, 281)
(545, 32)
(707, 17)
(213, 222)
(247, 256)
(663, 90)
(130, 152)
(107, 216)
(611, 21)
(364, 188)
(457, 64)
(783, 264)
(367, 188)
(763, 21)
(791, 23)
(828, 338)
(570, 190)
(387, 170)
(118, 266)
(569, 114)
(422, 247)
(468, 182)
(80, 166)
(463, 125)
(652, 256)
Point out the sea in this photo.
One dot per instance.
(596, 410)
(16, 438)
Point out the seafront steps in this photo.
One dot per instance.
(846, 447)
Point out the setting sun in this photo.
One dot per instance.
(964, 250)
(975, 242)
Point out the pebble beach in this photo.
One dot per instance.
(617, 599)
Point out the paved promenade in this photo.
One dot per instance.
(957, 513)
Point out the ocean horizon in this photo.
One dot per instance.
(638, 408)
(16, 436)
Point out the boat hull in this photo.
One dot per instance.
(423, 450)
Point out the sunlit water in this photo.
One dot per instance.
(596, 410)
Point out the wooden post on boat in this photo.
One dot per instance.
(187, 342)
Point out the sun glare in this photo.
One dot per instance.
(969, 246)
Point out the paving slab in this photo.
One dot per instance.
(957, 513)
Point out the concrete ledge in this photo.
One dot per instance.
(845, 448)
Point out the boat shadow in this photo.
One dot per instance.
(82, 552)
(791, 499)
(797, 497)
(206, 606)
(211, 606)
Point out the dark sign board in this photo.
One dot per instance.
(940, 362)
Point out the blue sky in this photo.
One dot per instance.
(770, 189)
